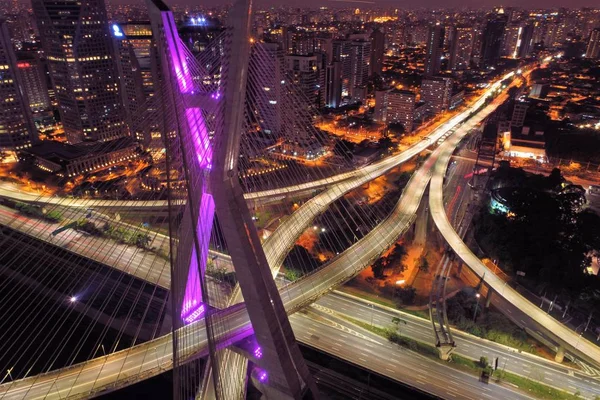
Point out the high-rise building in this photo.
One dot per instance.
(33, 82)
(131, 83)
(512, 40)
(304, 72)
(435, 48)
(593, 47)
(360, 59)
(436, 93)
(17, 130)
(526, 44)
(377, 51)
(140, 40)
(491, 41)
(395, 106)
(342, 52)
(269, 103)
(77, 44)
(462, 48)
(519, 113)
(333, 85)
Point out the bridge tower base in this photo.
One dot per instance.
(445, 350)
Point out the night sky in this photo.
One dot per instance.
(410, 3)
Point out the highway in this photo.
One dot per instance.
(387, 359)
(338, 304)
(148, 359)
(574, 342)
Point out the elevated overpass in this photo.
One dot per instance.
(132, 365)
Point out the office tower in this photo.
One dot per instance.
(526, 44)
(269, 102)
(333, 85)
(305, 75)
(360, 58)
(131, 83)
(377, 51)
(435, 92)
(491, 41)
(139, 39)
(435, 47)
(78, 46)
(17, 130)
(342, 52)
(519, 113)
(462, 48)
(593, 47)
(512, 40)
(33, 82)
(395, 106)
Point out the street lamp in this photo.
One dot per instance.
(476, 306)
(73, 299)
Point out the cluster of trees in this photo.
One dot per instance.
(395, 259)
(119, 234)
(546, 235)
(299, 262)
(221, 274)
(38, 212)
(490, 324)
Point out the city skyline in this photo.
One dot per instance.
(299, 202)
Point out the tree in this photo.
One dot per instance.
(406, 295)
(396, 128)
(396, 321)
(423, 264)
(398, 254)
(378, 267)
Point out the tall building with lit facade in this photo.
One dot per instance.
(269, 103)
(491, 40)
(377, 51)
(593, 47)
(77, 43)
(333, 85)
(512, 40)
(462, 48)
(304, 72)
(436, 93)
(137, 67)
(435, 47)
(360, 60)
(17, 130)
(342, 52)
(395, 106)
(34, 83)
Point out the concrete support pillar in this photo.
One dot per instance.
(488, 297)
(459, 268)
(445, 350)
(560, 354)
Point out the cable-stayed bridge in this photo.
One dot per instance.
(194, 336)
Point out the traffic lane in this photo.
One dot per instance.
(395, 362)
(521, 363)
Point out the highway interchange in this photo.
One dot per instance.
(357, 257)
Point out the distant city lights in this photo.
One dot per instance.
(199, 21)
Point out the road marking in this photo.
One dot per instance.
(362, 359)
(390, 370)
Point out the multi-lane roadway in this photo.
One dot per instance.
(120, 369)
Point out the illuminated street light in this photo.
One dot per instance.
(73, 299)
